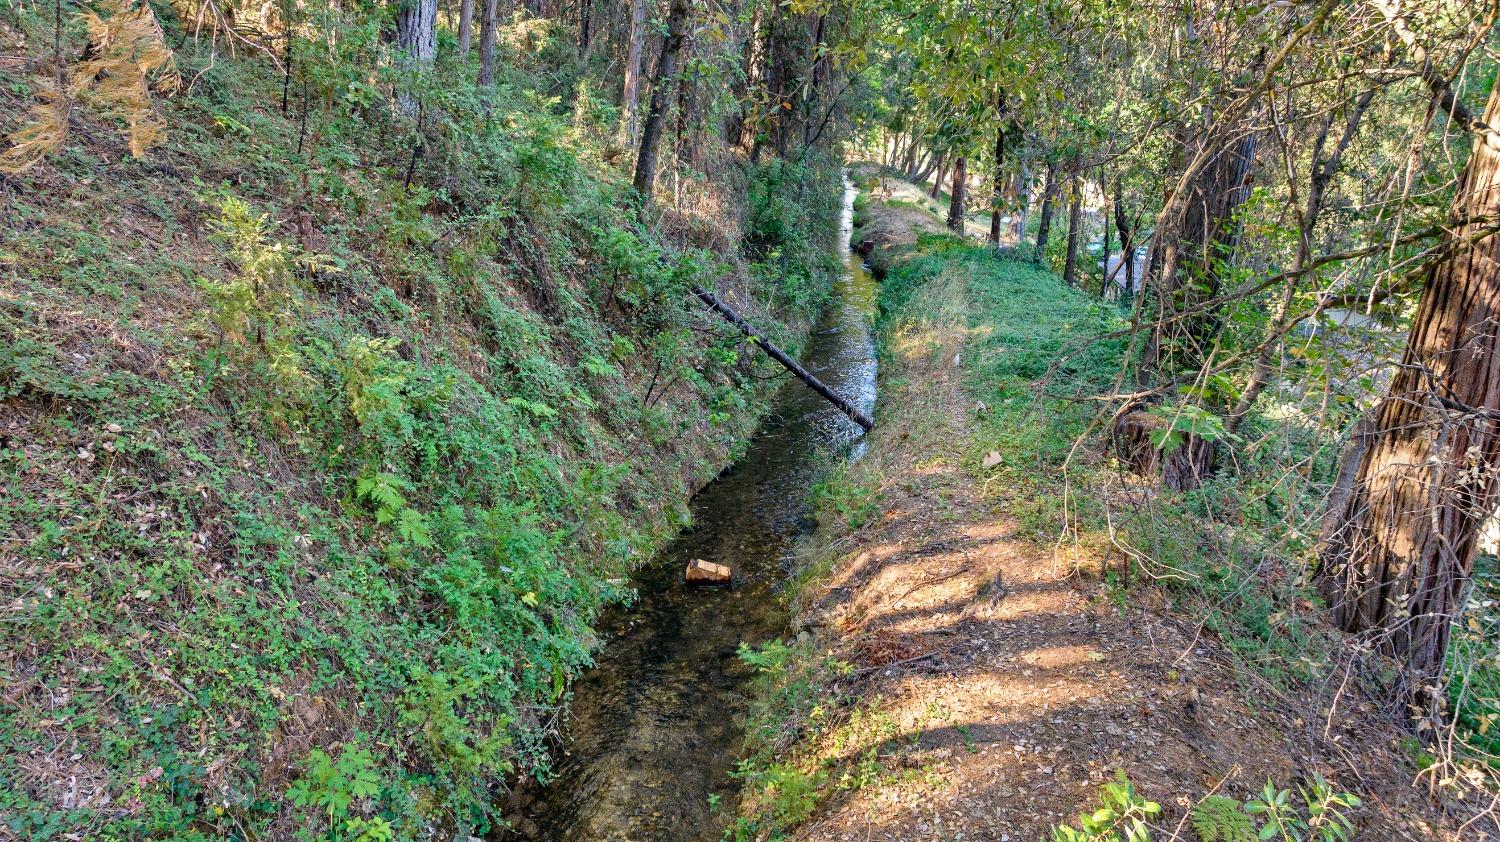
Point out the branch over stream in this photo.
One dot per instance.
(849, 409)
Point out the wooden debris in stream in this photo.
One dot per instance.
(700, 572)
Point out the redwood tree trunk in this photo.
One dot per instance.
(1194, 245)
(465, 27)
(956, 201)
(937, 180)
(666, 69)
(1399, 554)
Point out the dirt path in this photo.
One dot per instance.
(1008, 692)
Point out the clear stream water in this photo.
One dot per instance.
(655, 726)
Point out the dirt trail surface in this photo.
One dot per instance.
(1017, 691)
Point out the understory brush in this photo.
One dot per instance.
(326, 435)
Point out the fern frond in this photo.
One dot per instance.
(128, 48)
(1220, 819)
(42, 135)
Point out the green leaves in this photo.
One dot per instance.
(1220, 819)
(334, 786)
(1121, 817)
(1184, 420)
(1323, 817)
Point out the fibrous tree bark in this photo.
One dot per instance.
(416, 42)
(1192, 246)
(488, 32)
(661, 86)
(956, 197)
(937, 178)
(630, 97)
(465, 27)
(1399, 551)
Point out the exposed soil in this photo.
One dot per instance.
(1017, 707)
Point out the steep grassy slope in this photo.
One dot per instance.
(323, 440)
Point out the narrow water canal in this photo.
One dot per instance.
(655, 726)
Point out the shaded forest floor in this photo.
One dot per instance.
(973, 683)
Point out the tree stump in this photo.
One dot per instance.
(1181, 469)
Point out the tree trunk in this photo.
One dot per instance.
(997, 200)
(956, 201)
(1075, 222)
(416, 42)
(488, 32)
(661, 88)
(937, 179)
(924, 166)
(1104, 272)
(1398, 559)
(1194, 245)
(728, 313)
(630, 98)
(739, 83)
(1044, 227)
(1127, 241)
(1023, 203)
(816, 82)
(465, 28)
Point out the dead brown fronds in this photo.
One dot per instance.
(127, 60)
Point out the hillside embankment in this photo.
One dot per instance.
(960, 673)
(325, 435)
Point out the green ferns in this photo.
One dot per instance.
(1220, 819)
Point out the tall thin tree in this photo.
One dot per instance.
(630, 97)
(661, 87)
(488, 33)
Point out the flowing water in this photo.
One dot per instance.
(655, 727)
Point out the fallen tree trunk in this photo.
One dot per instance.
(780, 356)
